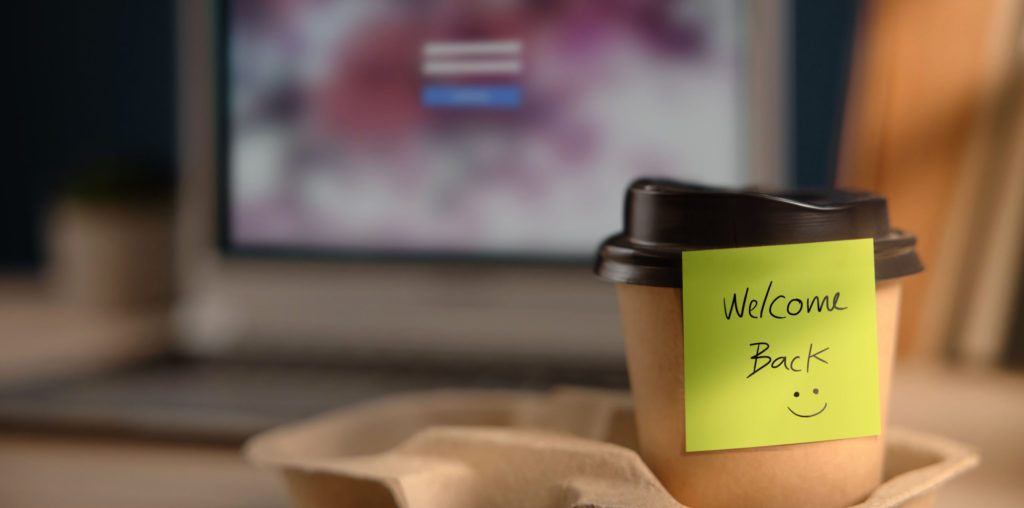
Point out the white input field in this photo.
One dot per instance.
(489, 47)
(471, 67)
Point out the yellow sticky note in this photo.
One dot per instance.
(780, 344)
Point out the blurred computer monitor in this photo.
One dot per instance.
(433, 177)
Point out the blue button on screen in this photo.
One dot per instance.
(472, 96)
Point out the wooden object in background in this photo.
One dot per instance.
(991, 287)
(926, 81)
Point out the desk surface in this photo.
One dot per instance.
(47, 470)
(36, 469)
(982, 409)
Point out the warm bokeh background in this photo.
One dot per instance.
(119, 386)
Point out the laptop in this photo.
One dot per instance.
(387, 195)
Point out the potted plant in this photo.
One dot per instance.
(109, 236)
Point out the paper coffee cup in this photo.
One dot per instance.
(783, 460)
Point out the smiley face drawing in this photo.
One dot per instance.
(797, 395)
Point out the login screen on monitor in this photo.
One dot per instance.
(483, 127)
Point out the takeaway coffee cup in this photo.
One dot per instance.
(664, 219)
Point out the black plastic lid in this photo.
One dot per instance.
(663, 218)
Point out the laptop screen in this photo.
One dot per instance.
(469, 128)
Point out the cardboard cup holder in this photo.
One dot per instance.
(571, 447)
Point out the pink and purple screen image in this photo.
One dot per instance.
(491, 127)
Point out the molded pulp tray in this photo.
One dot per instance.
(571, 447)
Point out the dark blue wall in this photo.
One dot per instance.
(91, 80)
(823, 34)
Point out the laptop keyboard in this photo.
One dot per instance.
(227, 401)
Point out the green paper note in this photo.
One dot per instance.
(780, 344)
